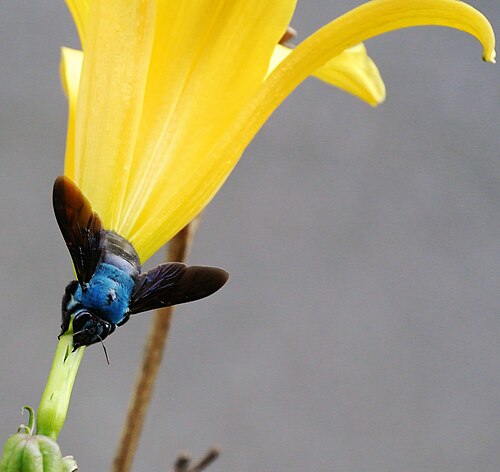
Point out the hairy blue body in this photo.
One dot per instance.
(108, 293)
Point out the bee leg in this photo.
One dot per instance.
(64, 326)
(67, 298)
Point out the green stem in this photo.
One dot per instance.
(55, 399)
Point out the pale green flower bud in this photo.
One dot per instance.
(25, 452)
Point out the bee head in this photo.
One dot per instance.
(89, 329)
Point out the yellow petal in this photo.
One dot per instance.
(352, 71)
(79, 10)
(118, 41)
(369, 20)
(71, 67)
(209, 58)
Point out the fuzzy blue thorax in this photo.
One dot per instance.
(107, 293)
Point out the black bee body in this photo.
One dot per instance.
(110, 286)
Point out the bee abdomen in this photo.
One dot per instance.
(118, 252)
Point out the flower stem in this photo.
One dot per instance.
(55, 399)
(148, 372)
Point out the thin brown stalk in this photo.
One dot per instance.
(290, 34)
(183, 462)
(148, 372)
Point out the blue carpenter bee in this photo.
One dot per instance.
(110, 285)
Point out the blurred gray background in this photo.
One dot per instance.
(360, 327)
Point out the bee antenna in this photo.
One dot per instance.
(104, 348)
(105, 353)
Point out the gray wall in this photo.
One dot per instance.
(360, 328)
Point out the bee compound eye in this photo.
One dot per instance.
(82, 320)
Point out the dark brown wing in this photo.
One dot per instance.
(80, 226)
(174, 283)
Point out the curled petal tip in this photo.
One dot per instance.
(490, 57)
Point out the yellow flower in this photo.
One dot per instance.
(167, 94)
